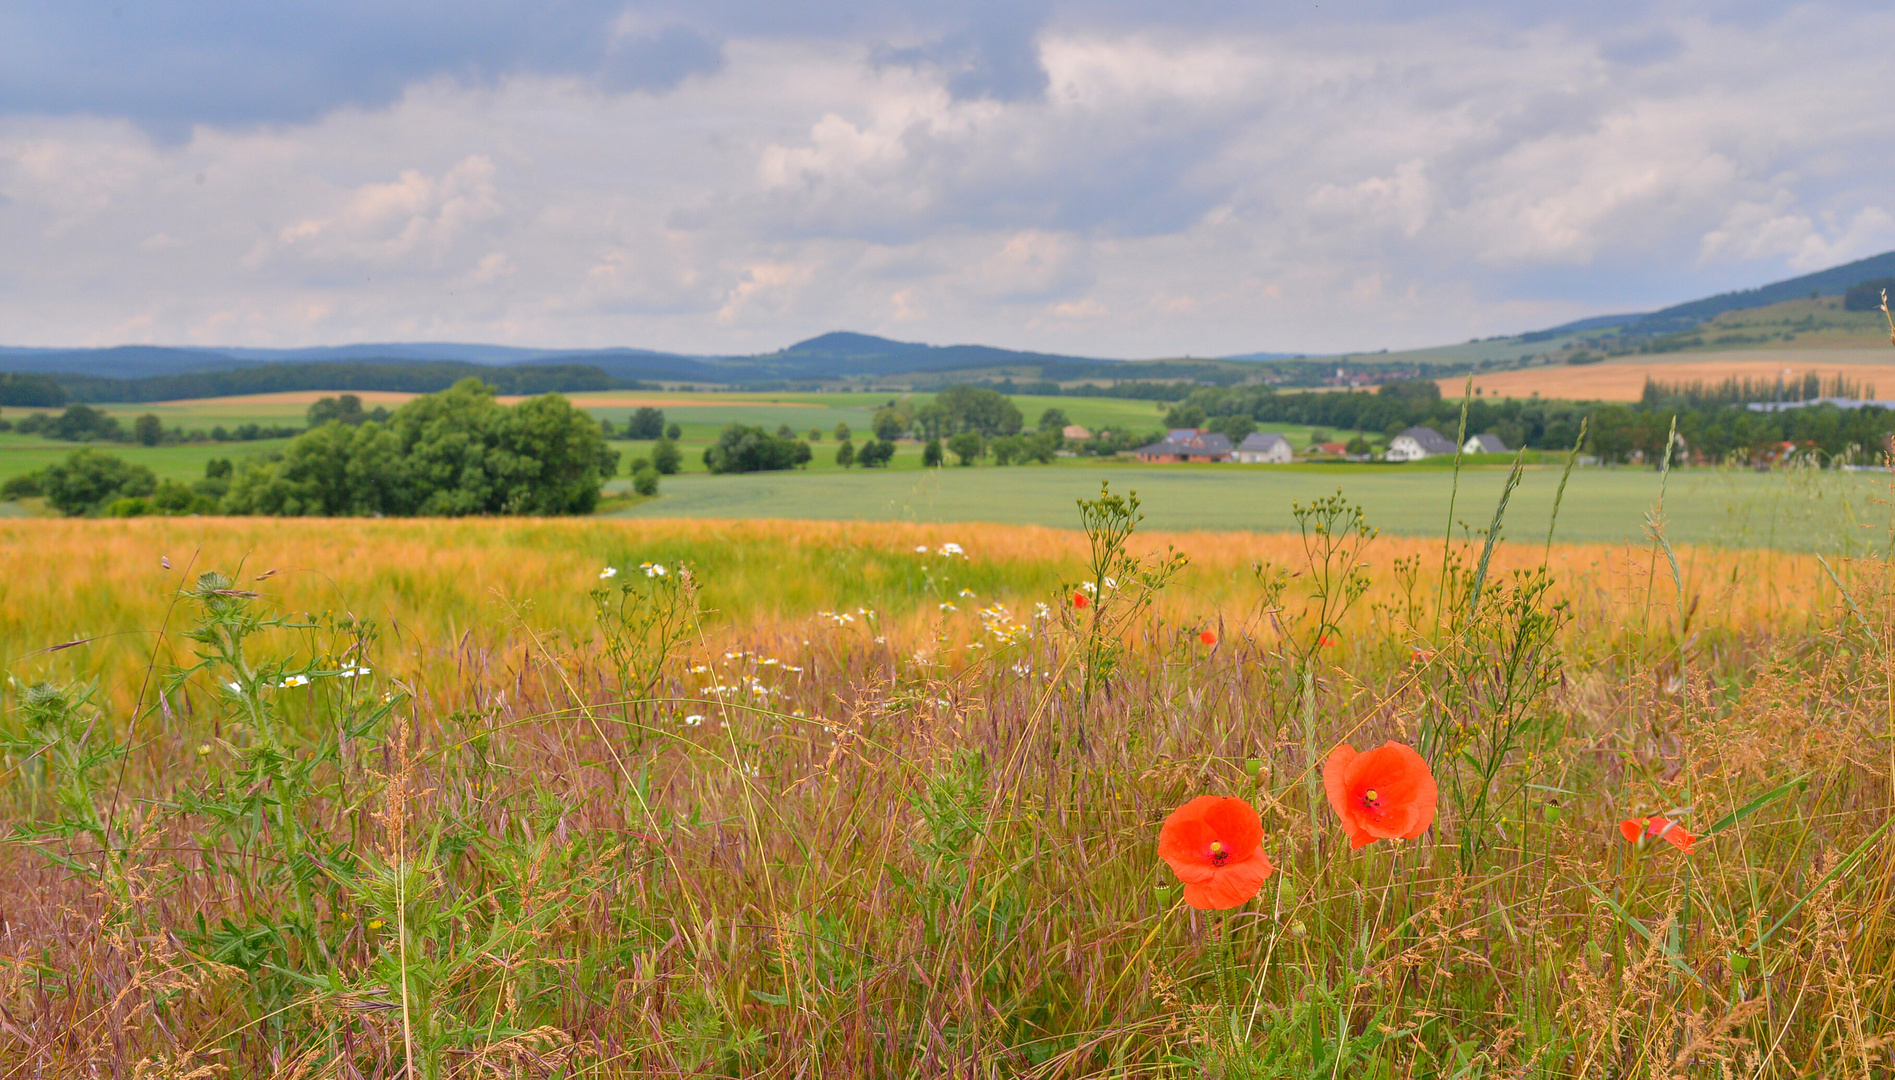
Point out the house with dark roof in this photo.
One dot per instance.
(1263, 447)
(1187, 444)
(1417, 443)
(1485, 444)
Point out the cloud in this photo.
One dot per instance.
(1082, 178)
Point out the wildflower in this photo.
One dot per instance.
(295, 680)
(1214, 845)
(1382, 794)
(1637, 831)
(1088, 587)
(235, 688)
(654, 569)
(949, 607)
(1325, 641)
(608, 572)
(921, 549)
(203, 749)
(1080, 601)
(376, 924)
(1041, 611)
(694, 720)
(1110, 584)
(967, 592)
(1208, 636)
(951, 548)
(350, 673)
(1421, 656)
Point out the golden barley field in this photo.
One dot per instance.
(1623, 379)
(789, 799)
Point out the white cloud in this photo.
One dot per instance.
(1206, 190)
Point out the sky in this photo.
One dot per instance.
(1102, 179)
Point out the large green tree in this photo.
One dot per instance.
(455, 453)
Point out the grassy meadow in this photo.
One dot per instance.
(771, 798)
(1801, 510)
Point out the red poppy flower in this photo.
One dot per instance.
(1208, 636)
(1382, 794)
(1636, 830)
(1325, 641)
(1214, 845)
(1079, 600)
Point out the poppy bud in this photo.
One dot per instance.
(1254, 766)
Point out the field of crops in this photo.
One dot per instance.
(1623, 378)
(632, 798)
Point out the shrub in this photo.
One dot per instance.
(666, 458)
(88, 479)
(931, 454)
(646, 423)
(845, 454)
(743, 448)
(645, 480)
(966, 446)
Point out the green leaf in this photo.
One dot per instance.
(1754, 805)
(770, 999)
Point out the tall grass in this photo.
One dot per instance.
(407, 807)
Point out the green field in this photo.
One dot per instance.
(1790, 511)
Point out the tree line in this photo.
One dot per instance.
(420, 377)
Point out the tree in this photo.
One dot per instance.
(346, 408)
(741, 448)
(673, 432)
(978, 409)
(845, 454)
(88, 479)
(892, 421)
(1235, 427)
(876, 453)
(1054, 419)
(931, 454)
(148, 429)
(1358, 446)
(454, 453)
(646, 423)
(666, 458)
(966, 446)
(785, 431)
(933, 422)
(842, 432)
(1185, 416)
(1007, 449)
(815, 434)
(645, 480)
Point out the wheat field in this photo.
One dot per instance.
(687, 798)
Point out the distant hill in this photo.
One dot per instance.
(146, 372)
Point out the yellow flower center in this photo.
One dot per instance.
(1217, 848)
(1370, 795)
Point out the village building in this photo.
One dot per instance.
(1485, 444)
(1074, 433)
(1417, 443)
(1265, 448)
(1187, 444)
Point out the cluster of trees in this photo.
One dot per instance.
(30, 391)
(1737, 391)
(1713, 431)
(745, 448)
(345, 409)
(93, 482)
(454, 453)
(1867, 295)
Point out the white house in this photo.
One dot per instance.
(1264, 448)
(1417, 443)
(1485, 444)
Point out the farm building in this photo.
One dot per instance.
(1417, 443)
(1485, 444)
(1074, 433)
(1260, 448)
(1187, 444)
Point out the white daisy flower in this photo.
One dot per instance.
(295, 680)
(694, 720)
(608, 572)
(951, 548)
